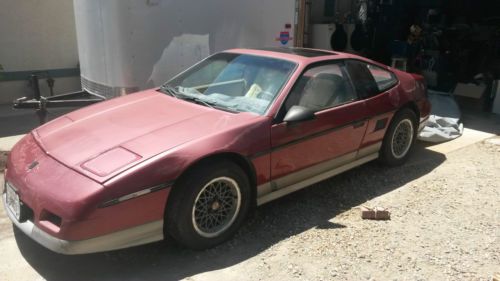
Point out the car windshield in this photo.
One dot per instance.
(233, 82)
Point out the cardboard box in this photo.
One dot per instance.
(469, 90)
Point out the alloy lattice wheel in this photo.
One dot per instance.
(402, 138)
(216, 207)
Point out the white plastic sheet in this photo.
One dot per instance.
(444, 122)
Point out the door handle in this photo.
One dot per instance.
(358, 124)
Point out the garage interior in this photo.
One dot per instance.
(454, 44)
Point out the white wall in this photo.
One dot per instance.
(37, 35)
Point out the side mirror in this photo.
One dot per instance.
(298, 114)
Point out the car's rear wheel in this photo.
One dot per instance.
(399, 138)
(208, 205)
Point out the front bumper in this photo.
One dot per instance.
(138, 235)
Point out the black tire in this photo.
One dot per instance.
(398, 142)
(194, 227)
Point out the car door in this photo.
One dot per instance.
(376, 86)
(309, 148)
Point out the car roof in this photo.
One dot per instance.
(298, 55)
(303, 56)
(304, 52)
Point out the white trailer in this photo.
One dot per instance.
(129, 45)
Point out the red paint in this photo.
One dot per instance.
(130, 143)
(336, 137)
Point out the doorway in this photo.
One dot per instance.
(328, 24)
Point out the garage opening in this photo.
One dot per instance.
(454, 44)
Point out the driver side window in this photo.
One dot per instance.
(321, 87)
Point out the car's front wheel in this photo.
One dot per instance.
(399, 138)
(208, 205)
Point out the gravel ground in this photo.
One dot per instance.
(445, 225)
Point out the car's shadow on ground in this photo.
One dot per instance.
(310, 208)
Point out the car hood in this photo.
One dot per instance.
(107, 138)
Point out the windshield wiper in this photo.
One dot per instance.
(174, 93)
(211, 104)
(165, 88)
(198, 101)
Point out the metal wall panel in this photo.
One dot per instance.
(140, 44)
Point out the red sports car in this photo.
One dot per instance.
(191, 158)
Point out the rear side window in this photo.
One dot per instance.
(362, 79)
(384, 79)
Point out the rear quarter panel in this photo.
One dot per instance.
(383, 106)
(415, 89)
